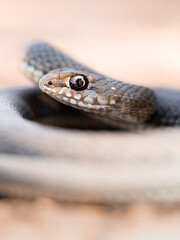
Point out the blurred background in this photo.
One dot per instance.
(137, 41)
(133, 40)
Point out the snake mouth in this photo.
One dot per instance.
(71, 97)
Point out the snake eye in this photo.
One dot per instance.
(78, 82)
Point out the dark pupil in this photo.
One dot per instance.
(79, 82)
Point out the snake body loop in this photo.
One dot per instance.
(41, 155)
(119, 103)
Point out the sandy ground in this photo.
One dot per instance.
(137, 41)
(46, 219)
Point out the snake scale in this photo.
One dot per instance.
(62, 143)
(119, 102)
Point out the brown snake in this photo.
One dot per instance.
(118, 103)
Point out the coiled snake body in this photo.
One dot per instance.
(39, 158)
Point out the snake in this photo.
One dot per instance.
(115, 102)
(81, 136)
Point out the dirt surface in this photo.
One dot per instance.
(46, 219)
(137, 41)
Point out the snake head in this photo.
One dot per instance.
(79, 89)
(110, 99)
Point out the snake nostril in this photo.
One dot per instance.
(50, 83)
